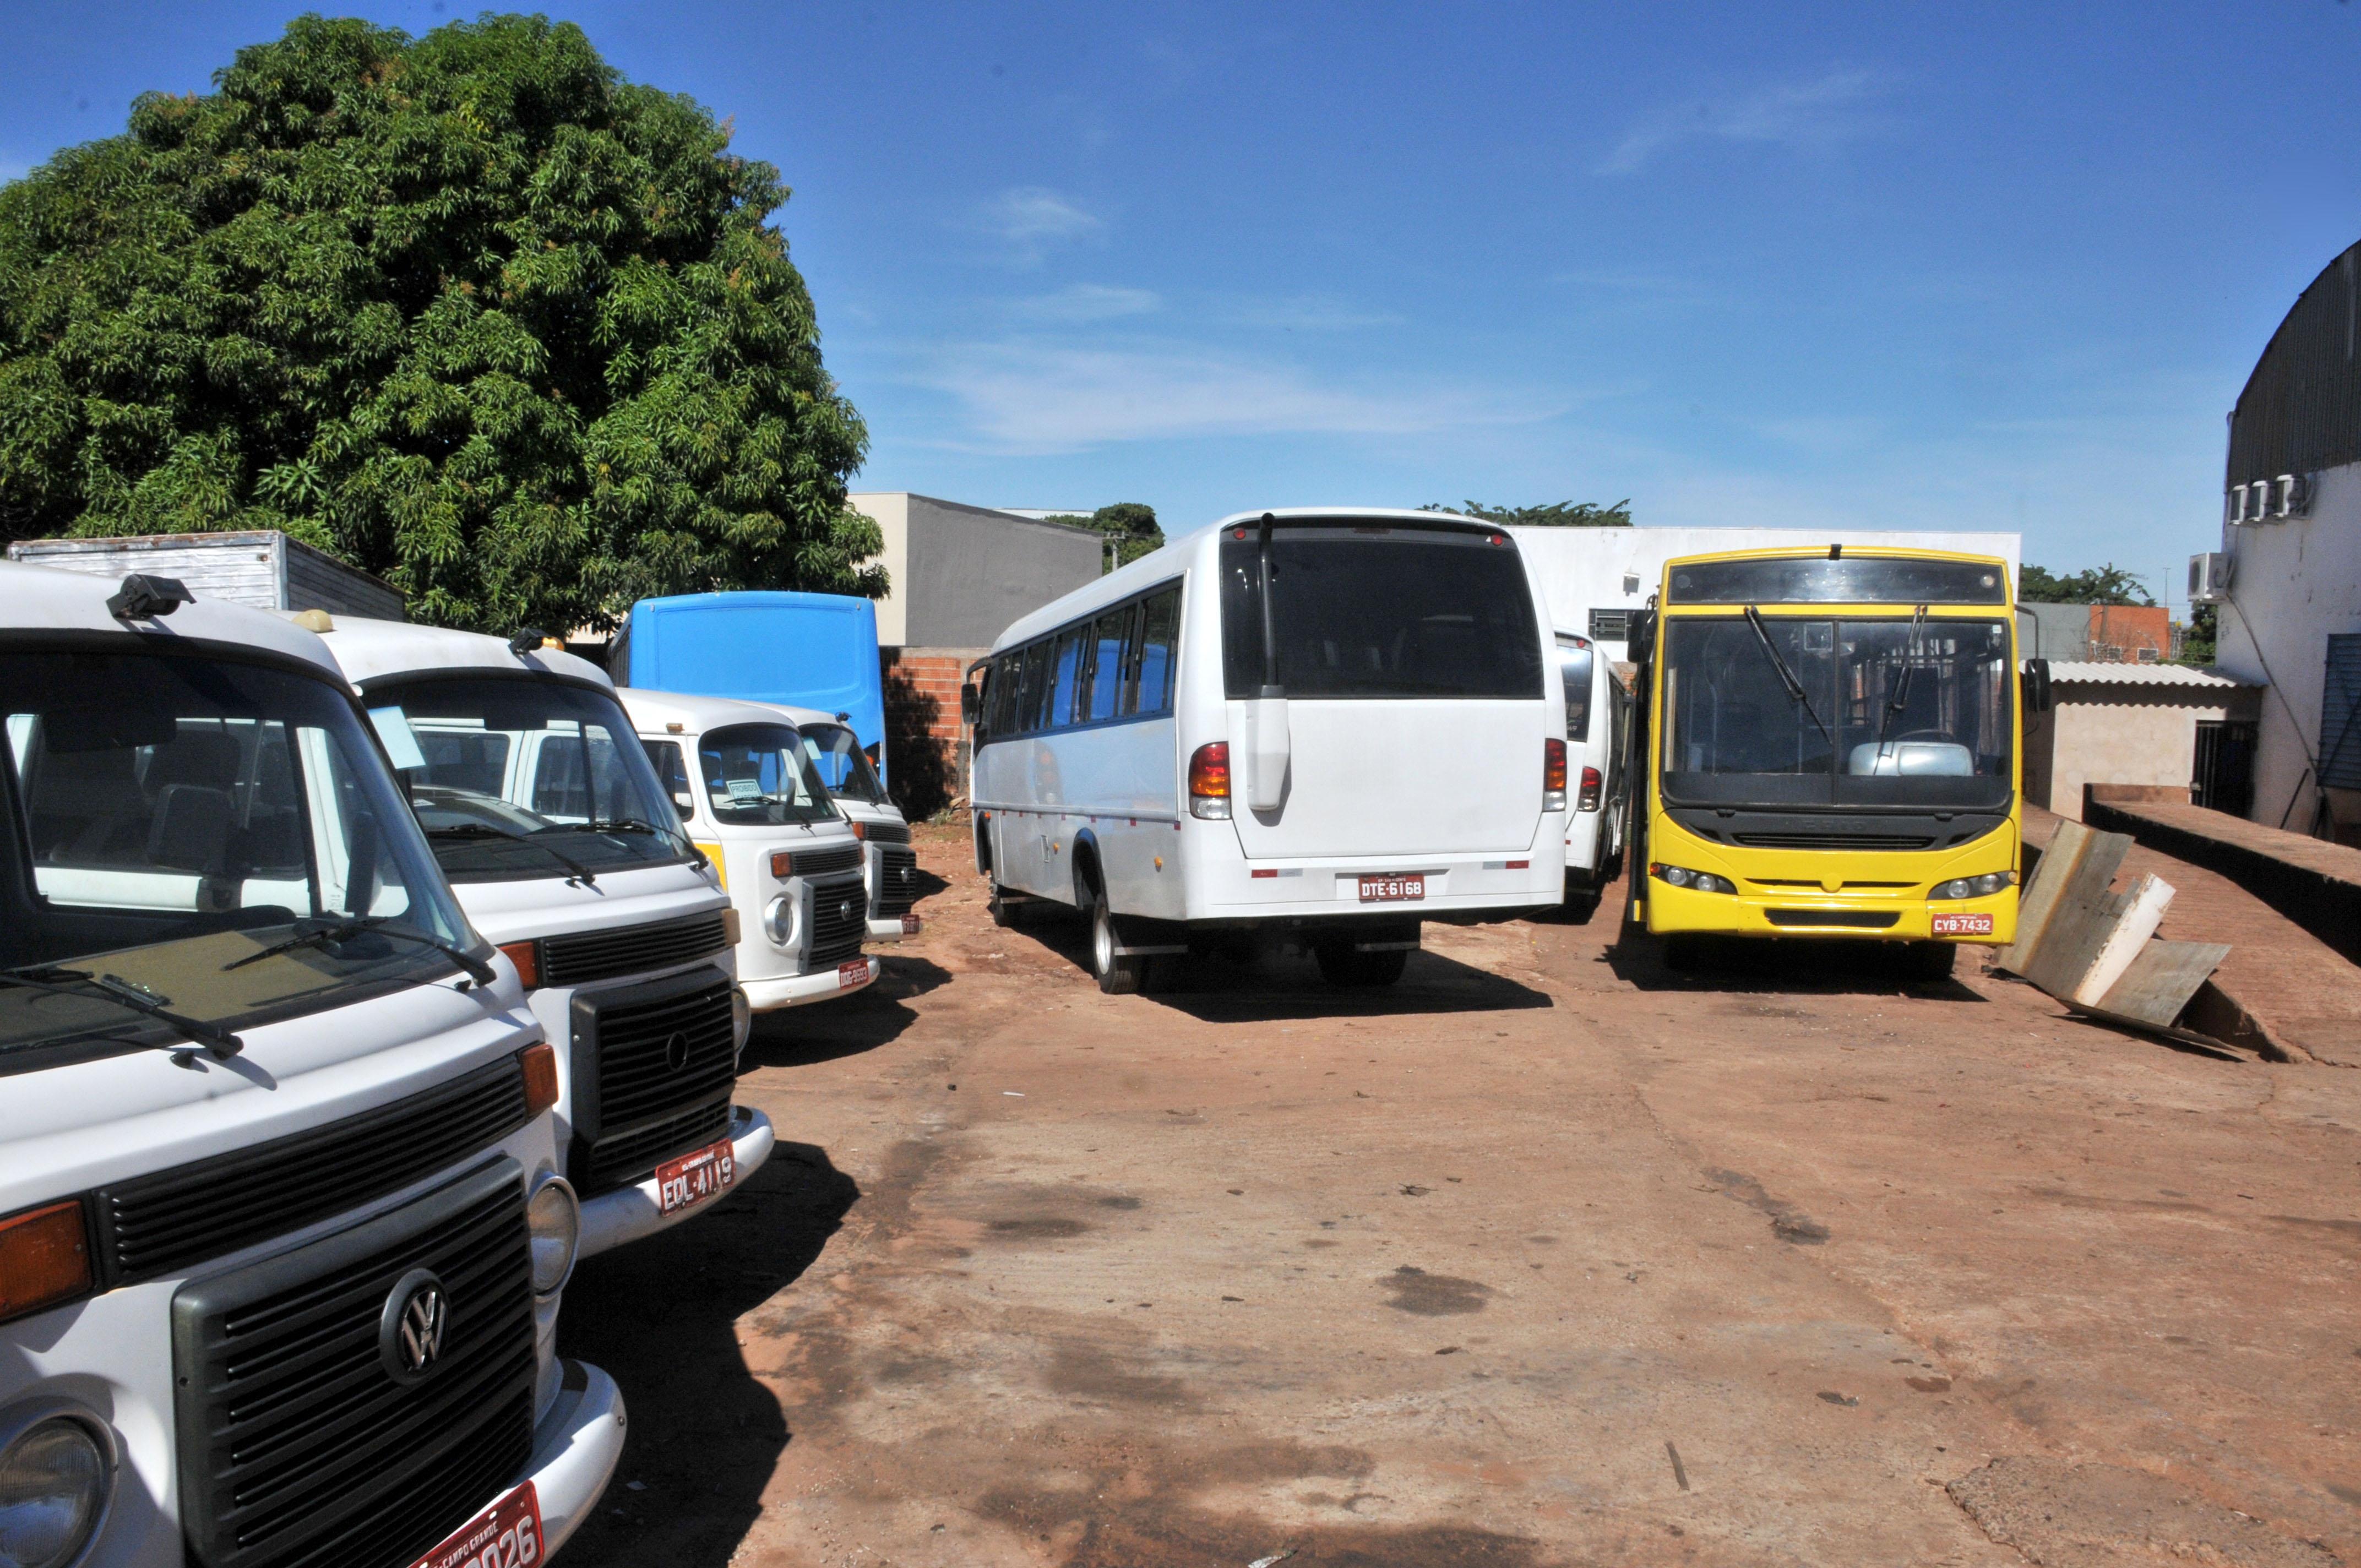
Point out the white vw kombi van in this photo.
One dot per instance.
(889, 864)
(545, 817)
(746, 788)
(283, 1221)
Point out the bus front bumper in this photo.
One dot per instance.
(795, 990)
(1990, 921)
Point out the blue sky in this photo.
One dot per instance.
(1967, 267)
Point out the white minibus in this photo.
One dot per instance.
(1321, 725)
(283, 1227)
(1598, 730)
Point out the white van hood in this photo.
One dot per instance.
(550, 907)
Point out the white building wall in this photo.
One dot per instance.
(2292, 584)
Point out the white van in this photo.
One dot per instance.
(891, 864)
(564, 849)
(737, 774)
(1598, 733)
(282, 1225)
(1329, 725)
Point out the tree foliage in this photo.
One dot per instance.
(2109, 584)
(1556, 514)
(469, 309)
(1131, 524)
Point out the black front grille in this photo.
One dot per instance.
(897, 882)
(169, 1221)
(1866, 919)
(887, 832)
(653, 1064)
(820, 862)
(1832, 840)
(298, 1446)
(635, 950)
(840, 922)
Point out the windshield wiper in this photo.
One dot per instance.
(602, 825)
(582, 874)
(1787, 678)
(322, 931)
(53, 981)
(1901, 698)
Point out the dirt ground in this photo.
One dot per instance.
(1542, 1257)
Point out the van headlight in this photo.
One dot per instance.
(1703, 882)
(1973, 886)
(554, 1219)
(742, 1018)
(56, 1476)
(779, 917)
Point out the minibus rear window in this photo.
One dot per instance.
(1370, 611)
(1574, 660)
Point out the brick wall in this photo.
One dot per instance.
(925, 745)
(2130, 634)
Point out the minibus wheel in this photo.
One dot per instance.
(1118, 974)
(1004, 911)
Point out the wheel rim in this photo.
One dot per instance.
(1102, 938)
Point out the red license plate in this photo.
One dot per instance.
(1964, 925)
(694, 1177)
(1393, 889)
(856, 972)
(911, 925)
(506, 1535)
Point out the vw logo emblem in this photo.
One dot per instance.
(676, 1052)
(412, 1329)
(844, 910)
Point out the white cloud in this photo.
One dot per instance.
(1814, 114)
(1031, 396)
(1032, 220)
(1080, 303)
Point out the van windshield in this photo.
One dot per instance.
(760, 774)
(523, 777)
(170, 814)
(1380, 611)
(843, 766)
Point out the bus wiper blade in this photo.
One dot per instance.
(582, 874)
(1901, 698)
(602, 825)
(55, 981)
(322, 932)
(1787, 676)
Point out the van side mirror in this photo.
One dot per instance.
(2036, 685)
(969, 704)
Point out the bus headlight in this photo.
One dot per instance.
(1973, 886)
(554, 1221)
(779, 917)
(56, 1476)
(1701, 882)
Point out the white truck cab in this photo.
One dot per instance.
(745, 786)
(543, 813)
(283, 1221)
(891, 865)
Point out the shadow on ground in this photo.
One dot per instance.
(1782, 964)
(701, 1448)
(798, 1037)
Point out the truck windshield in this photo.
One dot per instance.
(757, 774)
(519, 777)
(843, 765)
(1913, 713)
(1379, 611)
(170, 814)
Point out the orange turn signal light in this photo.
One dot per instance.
(526, 956)
(782, 864)
(540, 1063)
(860, 829)
(729, 925)
(44, 1258)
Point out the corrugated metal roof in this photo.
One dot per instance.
(2137, 674)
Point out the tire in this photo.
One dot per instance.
(1117, 975)
(1342, 964)
(1930, 961)
(1003, 913)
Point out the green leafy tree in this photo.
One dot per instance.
(1130, 524)
(2197, 642)
(1556, 514)
(469, 309)
(2109, 584)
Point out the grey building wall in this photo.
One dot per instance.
(970, 571)
(2063, 630)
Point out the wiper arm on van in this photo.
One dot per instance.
(602, 825)
(51, 979)
(1786, 676)
(327, 931)
(1901, 698)
(582, 874)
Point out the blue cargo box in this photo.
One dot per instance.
(810, 649)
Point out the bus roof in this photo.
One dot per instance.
(1793, 574)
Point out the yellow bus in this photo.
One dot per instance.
(1829, 739)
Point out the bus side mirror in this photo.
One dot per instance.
(968, 705)
(2036, 685)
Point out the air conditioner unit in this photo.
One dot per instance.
(2209, 577)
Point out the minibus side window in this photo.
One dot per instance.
(1160, 630)
(1033, 702)
(1067, 677)
(1110, 661)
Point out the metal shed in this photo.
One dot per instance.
(261, 567)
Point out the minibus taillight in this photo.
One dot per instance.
(526, 956)
(1552, 774)
(44, 1258)
(1209, 781)
(540, 1064)
(1589, 799)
